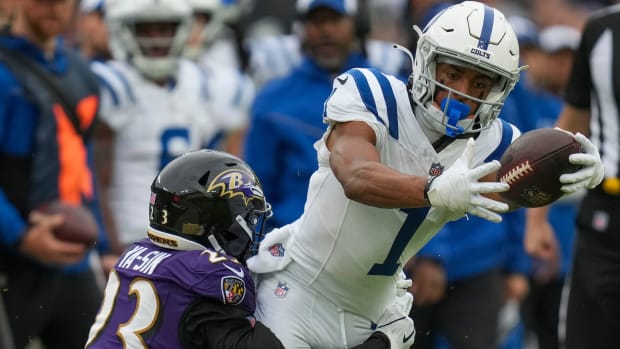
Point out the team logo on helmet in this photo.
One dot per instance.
(233, 290)
(232, 183)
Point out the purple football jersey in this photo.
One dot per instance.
(151, 287)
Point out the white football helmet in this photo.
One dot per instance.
(121, 19)
(473, 35)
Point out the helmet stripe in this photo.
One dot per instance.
(487, 28)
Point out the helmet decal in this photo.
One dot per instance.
(487, 28)
(235, 183)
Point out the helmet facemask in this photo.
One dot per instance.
(156, 56)
(450, 115)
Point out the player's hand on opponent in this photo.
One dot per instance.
(40, 243)
(395, 322)
(458, 189)
(592, 170)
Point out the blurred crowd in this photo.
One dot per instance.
(250, 77)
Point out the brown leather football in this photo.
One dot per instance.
(533, 164)
(79, 224)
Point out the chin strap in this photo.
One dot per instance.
(216, 245)
(455, 111)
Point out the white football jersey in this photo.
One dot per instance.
(351, 252)
(154, 124)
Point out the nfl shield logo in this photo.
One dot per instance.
(436, 169)
(281, 290)
(276, 250)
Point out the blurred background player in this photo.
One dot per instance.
(48, 107)
(273, 56)
(189, 276)
(156, 106)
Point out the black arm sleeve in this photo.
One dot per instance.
(377, 340)
(210, 325)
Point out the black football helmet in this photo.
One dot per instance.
(208, 198)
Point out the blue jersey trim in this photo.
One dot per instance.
(105, 84)
(125, 83)
(503, 144)
(365, 92)
(369, 101)
(390, 102)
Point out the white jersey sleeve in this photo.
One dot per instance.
(366, 95)
(117, 93)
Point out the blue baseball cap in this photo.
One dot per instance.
(88, 6)
(343, 7)
(526, 30)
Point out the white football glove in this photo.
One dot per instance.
(396, 324)
(458, 188)
(402, 286)
(592, 172)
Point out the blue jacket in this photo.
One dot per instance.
(19, 120)
(471, 246)
(286, 121)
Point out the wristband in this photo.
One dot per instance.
(427, 187)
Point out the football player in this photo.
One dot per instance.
(395, 164)
(156, 106)
(186, 285)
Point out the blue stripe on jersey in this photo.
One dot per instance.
(390, 102)
(487, 28)
(124, 81)
(365, 92)
(105, 84)
(369, 101)
(503, 144)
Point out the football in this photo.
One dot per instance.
(533, 164)
(79, 224)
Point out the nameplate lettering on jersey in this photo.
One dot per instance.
(142, 259)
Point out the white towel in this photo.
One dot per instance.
(272, 254)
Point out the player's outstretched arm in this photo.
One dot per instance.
(356, 163)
